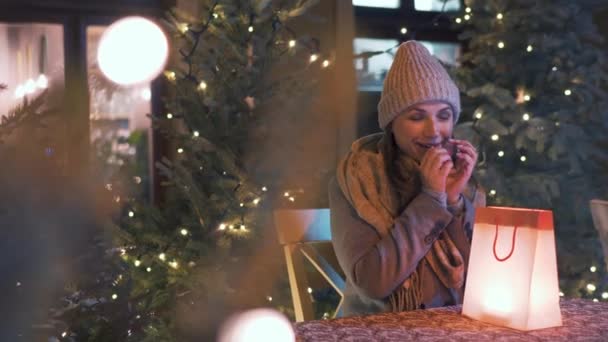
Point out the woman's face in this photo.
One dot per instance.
(423, 126)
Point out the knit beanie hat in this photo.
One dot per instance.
(414, 77)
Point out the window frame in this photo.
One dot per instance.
(75, 16)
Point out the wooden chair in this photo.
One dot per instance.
(299, 231)
(599, 212)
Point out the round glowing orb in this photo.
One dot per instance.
(263, 324)
(132, 50)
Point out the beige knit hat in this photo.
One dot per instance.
(414, 77)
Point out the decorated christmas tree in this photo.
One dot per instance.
(534, 83)
(175, 271)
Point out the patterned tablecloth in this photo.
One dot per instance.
(583, 320)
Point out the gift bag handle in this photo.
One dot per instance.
(512, 245)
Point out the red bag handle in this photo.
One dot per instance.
(512, 244)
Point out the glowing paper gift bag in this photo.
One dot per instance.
(512, 274)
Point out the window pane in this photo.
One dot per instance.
(31, 60)
(120, 128)
(444, 51)
(377, 3)
(371, 71)
(437, 5)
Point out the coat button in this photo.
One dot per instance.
(428, 239)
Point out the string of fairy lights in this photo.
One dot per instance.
(236, 226)
(523, 95)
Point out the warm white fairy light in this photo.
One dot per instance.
(494, 137)
(169, 116)
(149, 269)
(313, 57)
(499, 16)
(170, 75)
(64, 334)
(250, 29)
(131, 214)
(195, 133)
(467, 17)
(567, 92)
(292, 199)
(174, 264)
(501, 45)
(231, 227)
(162, 256)
(403, 30)
(286, 194)
(561, 294)
(114, 296)
(523, 158)
(458, 20)
(309, 290)
(527, 97)
(30, 86)
(526, 117)
(478, 115)
(215, 15)
(292, 43)
(468, 9)
(593, 269)
(243, 227)
(554, 68)
(42, 82)
(596, 300)
(501, 153)
(269, 298)
(180, 150)
(591, 287)
(184, 231)
(222, 226)
(264, 188)
(183, 27)
(492, 192)
(202, 85)
(256, 201)
(605, 295)
(137, 263)
(529, 48)
(325, 63)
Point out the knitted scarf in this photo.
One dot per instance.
(365, 183)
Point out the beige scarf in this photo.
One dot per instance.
(364, 181)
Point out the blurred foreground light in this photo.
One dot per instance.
(263, 325)
(132, 50)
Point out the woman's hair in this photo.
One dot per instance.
(403, 176)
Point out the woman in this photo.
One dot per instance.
(401, 227)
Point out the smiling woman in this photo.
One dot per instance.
(401, 207)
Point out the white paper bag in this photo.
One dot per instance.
(512, 274)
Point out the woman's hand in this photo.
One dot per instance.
(434, 169)
(457, 179)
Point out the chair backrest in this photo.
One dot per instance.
(302, 225)
(599, 213)
(298, 232)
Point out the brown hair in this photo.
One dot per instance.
(404, 176)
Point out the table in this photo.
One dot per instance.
(583, 320)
